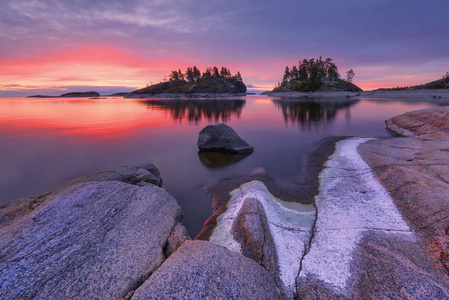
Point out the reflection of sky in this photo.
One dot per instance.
(119, 45)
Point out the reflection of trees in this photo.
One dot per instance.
(312, 112)
(197, 110)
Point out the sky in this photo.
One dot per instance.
(56, 46)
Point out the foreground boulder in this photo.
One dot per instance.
(100, 237)
(203, 270)
(222, 138)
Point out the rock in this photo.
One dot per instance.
(140, 174)
(203, 270)
(177, 237)
(415, 172)
(421, 122)
(97, 237)
(365, 245)
(222, 138)
(252, 216)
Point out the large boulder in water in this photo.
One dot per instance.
(203, 270)
(222, 138)
(98, 237)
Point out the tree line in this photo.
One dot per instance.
(193, 74)
(313, 70)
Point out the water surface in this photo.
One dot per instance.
(47, 142)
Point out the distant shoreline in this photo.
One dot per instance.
(436, 94)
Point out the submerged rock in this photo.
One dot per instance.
(222, 138)
(203, 270)
(100, 236)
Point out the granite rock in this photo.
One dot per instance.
(222, 138)
(140, 174)
(364, 246)
(433, 121)
(203, 270)
(95, 238)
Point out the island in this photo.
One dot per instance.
(315, 75)
(71, 94)
(194, 84)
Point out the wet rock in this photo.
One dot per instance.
(203, 270)
(222, 138)
(97, 237)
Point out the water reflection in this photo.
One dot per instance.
(213, 110)
(214, 160)
(315, 112)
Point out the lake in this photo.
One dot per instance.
(48, 142)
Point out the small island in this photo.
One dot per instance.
(193, 84)
(72, 94)
(315, 75)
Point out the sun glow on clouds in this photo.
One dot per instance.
(89, 66)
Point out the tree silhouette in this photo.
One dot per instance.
(350, 75)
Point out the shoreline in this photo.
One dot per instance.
(183, 95)
(436, 94)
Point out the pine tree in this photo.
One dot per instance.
(286, 77)
(196, 74)
(189, 75)
(238, 76)
(174, 76)
(216, 72)
(350, 75)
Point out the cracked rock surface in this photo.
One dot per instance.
(203, 270)
(363, 245)
(249, 219)
(98, 237)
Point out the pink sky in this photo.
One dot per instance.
(124, 46)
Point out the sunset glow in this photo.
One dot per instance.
(47, 47)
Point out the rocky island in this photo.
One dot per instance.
(71, 94)
(194, 84)
(315, 75)
(367, 220)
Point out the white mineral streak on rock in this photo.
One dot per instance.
(290, 226)
(351, 201)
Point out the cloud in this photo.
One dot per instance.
(149, 38)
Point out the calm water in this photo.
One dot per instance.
(47, 142)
